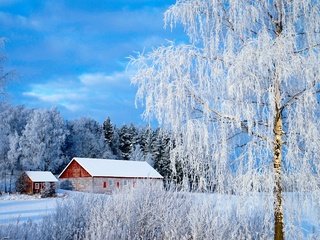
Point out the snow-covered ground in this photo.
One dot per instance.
(16, 208)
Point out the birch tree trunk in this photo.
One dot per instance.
(277, 151)
(278, 209)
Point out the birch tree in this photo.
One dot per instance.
(241, 96)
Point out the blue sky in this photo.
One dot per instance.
(73, 54)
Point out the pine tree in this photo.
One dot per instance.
(125, 142)
(108, 131)
(161, 154)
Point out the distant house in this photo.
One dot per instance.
(32, 182)
(106, 175)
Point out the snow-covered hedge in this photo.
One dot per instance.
(146, 213)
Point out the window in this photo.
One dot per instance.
(118, 184)
(125, 182)
(110, 182)
(105, 185)
(36, 186)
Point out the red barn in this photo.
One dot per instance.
(32, 182)
(106, 175)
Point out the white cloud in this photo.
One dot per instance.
(84, 91)
(99, 79)
(63, 93)
(53, 97)
(95, 78)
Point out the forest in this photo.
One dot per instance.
(40, 139)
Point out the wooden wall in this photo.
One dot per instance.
(74, 170)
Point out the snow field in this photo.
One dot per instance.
(21, 208)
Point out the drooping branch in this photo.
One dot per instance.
(219, 116)
(206, 106)
(296, 96)
(307, 48)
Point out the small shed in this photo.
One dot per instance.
(32, 182)
(106, 175)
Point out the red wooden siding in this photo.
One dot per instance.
(28, 184)
(41, 186)
(74, 170)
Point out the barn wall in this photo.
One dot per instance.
(43, 186)
(109, 185)
(27, 184)
(150, 181)
(105, 184)
(74, 170)
(82, 184)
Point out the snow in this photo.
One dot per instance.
(116, 168)
(21, 208)
(187, 210)
(41, 176)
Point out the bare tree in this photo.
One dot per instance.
(242, 96)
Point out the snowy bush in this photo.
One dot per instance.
(141, 214)
(146, 213)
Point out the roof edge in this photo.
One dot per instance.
(129, 177)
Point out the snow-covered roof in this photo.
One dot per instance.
(116, 168)
(41, 176)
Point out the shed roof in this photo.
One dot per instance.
(116, 168)
(41, 176)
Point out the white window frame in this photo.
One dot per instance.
(37, 186)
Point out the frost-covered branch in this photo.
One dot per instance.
(307, 48)
(241, 56)
(296, 96)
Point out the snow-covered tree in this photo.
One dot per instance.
(14, 155)
(161, 154)
(12, 121)
(146, 137)
(136, 154)
(108, 130)
(17, 118)
(42, 140)
(4, 147)
(241, 97)
(125, 142)
(86, 139)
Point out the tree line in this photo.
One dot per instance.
(40, 139)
